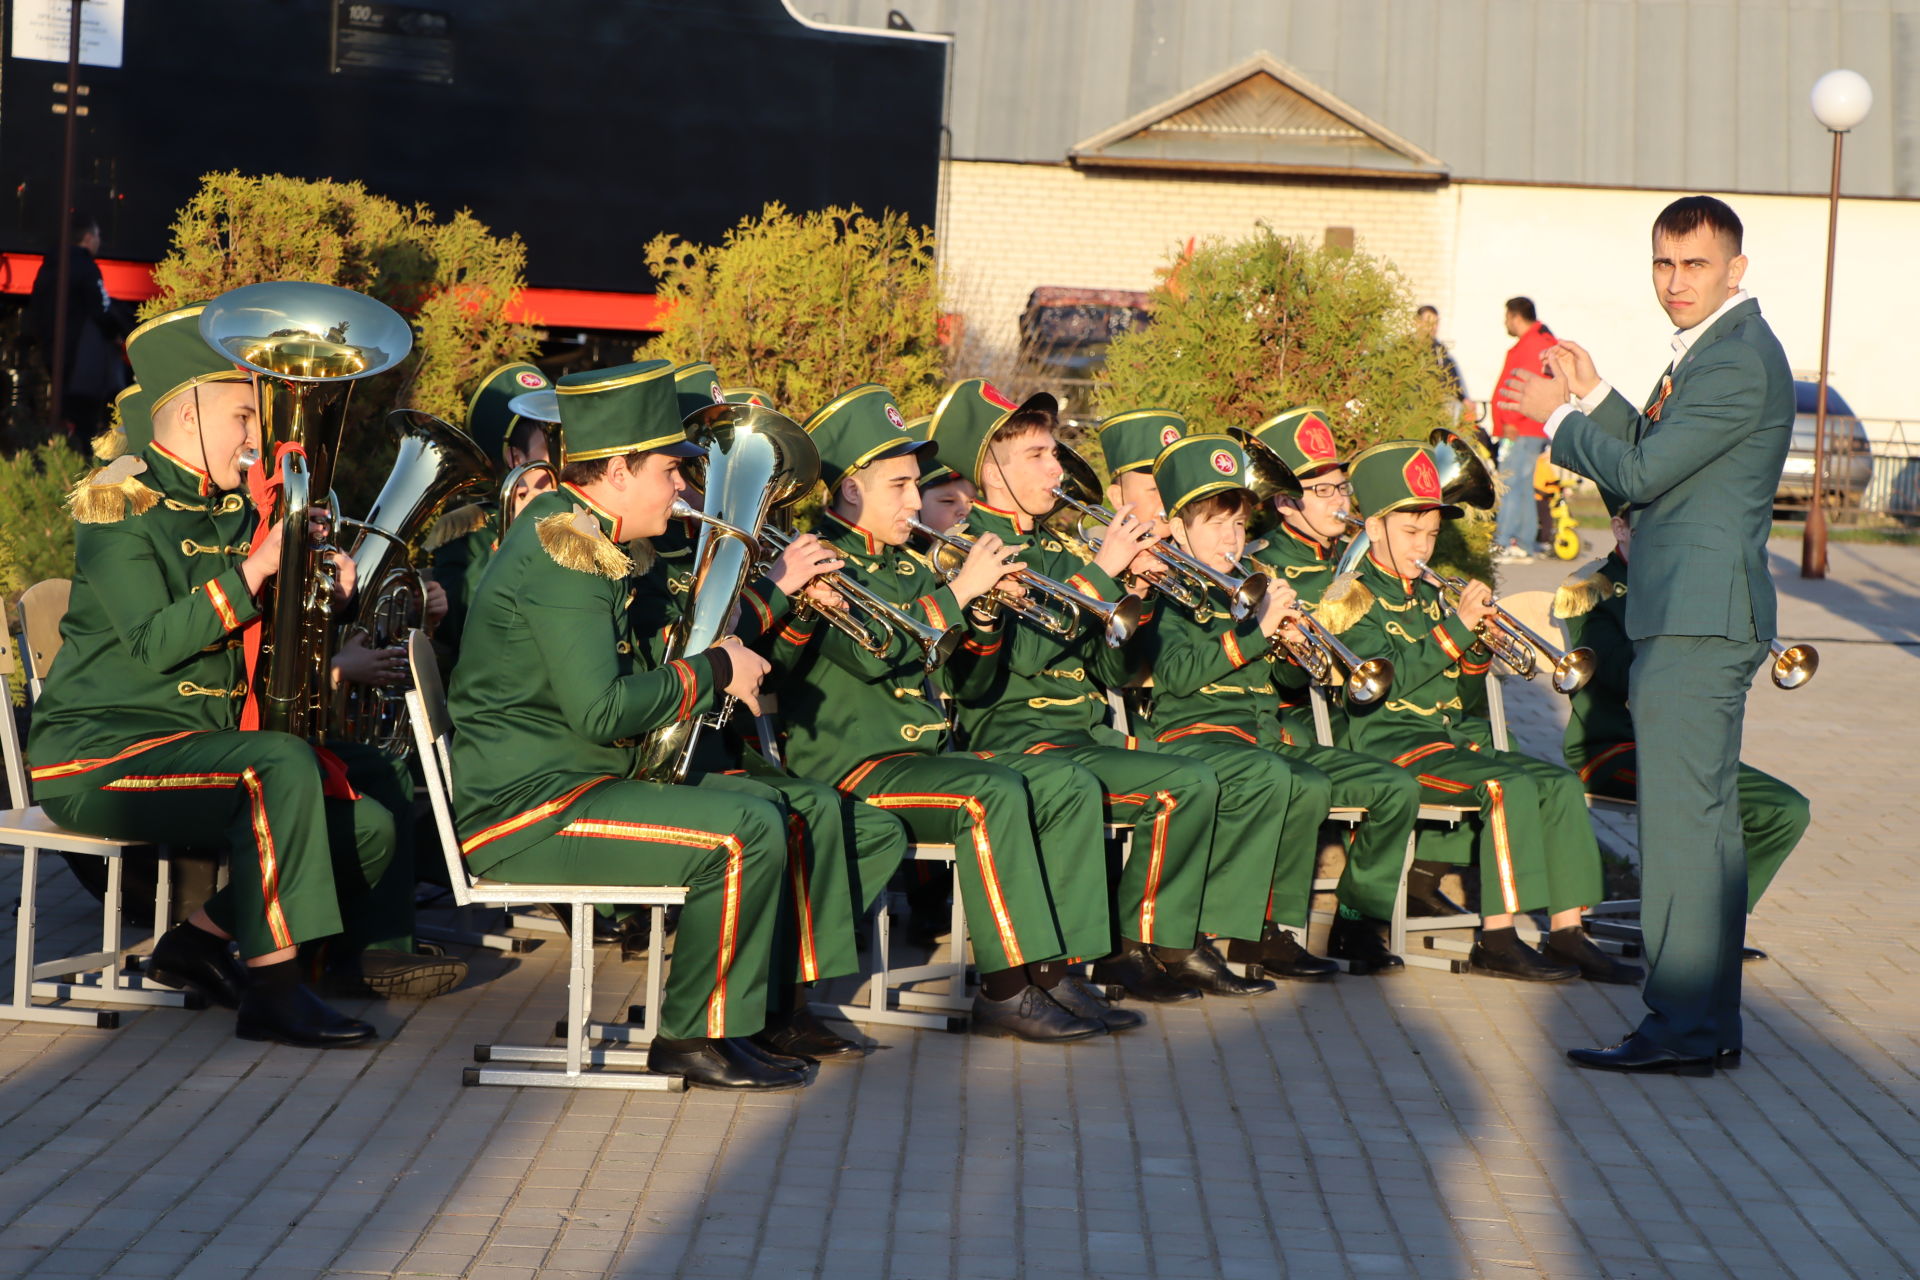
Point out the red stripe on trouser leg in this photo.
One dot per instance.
(798, 872)
(1151, 891)
(269, 863)
(1593, 766)
(976, 812)
(1502, 846)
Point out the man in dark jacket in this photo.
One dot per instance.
(95, 370)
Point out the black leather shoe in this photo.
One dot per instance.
(1506, 956)
(801, 1034)
(1031, 1015)
(1077, 996)
(294, 1015)
(785, 1061)
(1286, 958)
(1747, 954)
(1204, 970)
(1424, 895)
(397, 975)
(1574, 947)
(718, 1064)
(1359, 943)
(1142, 977)
(186, 956)
(1727, 1060)
(1641, 1056)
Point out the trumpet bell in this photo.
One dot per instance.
(1573, 669)
(1122, 620)
(1794, 665)
(1466, 472)
(303, 332)
(1079, 478)
(1270, 474)
(1369, 681)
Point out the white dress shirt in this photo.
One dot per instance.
(1683, 340)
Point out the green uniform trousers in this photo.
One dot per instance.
(1377, 850)
(1689, 699)
(1258, 872)
(1171, 803)
(1773, 816)
(389, 784)
(726, 844)
(298, 864)
(1534, 839)
(1030, 848)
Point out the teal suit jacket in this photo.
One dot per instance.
(1701, 478)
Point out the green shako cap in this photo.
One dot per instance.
(860, 426)
(1199, 466)
(698, 387)
(135, 429)
(932, 470)
(630, 408)
(1396, 475)
(968, 415)
(490, 415)
(1302, 439)
(169, 356)
(1134, 439)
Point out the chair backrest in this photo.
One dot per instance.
(42, 608)
(432, 738)
(16, 763)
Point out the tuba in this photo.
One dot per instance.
(756, 460)
(437, 463)
(309, 343)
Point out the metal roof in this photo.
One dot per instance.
(1699, 94)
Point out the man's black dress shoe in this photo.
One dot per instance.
(294, 1015)
(1749, 954)
(718, 1064)
(1727, 1060)
(1641, 1056)
(1031, 1015)
(1500, 954)
(1359, 943)
(1424, 895)
(785, 1061)
(1142, 977)
(800, 1034)
(1574, 947)
(1204, 970)
(1077, 996)
(187, 956)
(1280, 955)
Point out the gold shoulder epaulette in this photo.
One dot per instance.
(455, 524)
(574, 541)
(1345, 603)
(643, 555)
(111, 493)
(110, 444)
(1581, 592)
(1255, 547)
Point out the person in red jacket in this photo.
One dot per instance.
(1521, 438)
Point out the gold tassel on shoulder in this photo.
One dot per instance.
(1581, 592)
(575, 542)
(456, 524)
(110, 444)
(111, 493)
(1345, 603)
(642, 556)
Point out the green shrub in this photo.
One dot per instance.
(453, 280)
(36, 534)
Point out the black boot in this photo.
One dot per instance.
(1282, 956)
(1134, 969)
(1424, 895)
(1359, 943)
(1203, 970)
(1031, 1015)
(277, 1006)
(1500, 954)
(188, 956)
(1078, 996)
(800, 1034)
(1574, 947)
(718, 1064)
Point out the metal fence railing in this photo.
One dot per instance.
(1894, 487)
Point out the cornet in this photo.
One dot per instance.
(1793, 665)
(1188, 579)
(1520, 646)
(874, 632)
(1117, 619)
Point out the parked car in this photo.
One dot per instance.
(1063, 340)
(1849, 464)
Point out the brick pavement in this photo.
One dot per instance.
(1422, 1125)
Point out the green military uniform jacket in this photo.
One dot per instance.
(842, 705)
(1380, 614)
(151, 642)
(1307, 567)
(1214, 675)
(1038, 687)
(1594, 608)
(555, 688)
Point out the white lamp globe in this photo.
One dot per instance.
(1841, 99)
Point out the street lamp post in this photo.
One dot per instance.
(1841, 100)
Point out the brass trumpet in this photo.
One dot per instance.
(1187, 580)
(1117, 619)
(882, 618)
(1793, 665)
(1520, 646)
(1367, 680)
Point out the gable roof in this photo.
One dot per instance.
(1261, 116)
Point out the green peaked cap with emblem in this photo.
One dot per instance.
(698, 386)
(1397, 475)
(132, 429)
(968, 415)
(491, 417)
(1134, 439)
(858, 427)
(1199, 466)
(1302, 439)
(630, 408)
(170, 357)
(932, 470)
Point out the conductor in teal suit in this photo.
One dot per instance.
(1699, 465)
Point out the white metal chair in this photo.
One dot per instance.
(580, 1065)
(95, 976)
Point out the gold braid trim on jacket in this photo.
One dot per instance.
(1346, 602)
(1580, 593)
(457, 523)
(110, 494)
(574, 541)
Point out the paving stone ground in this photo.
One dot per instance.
(1422, 1125)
